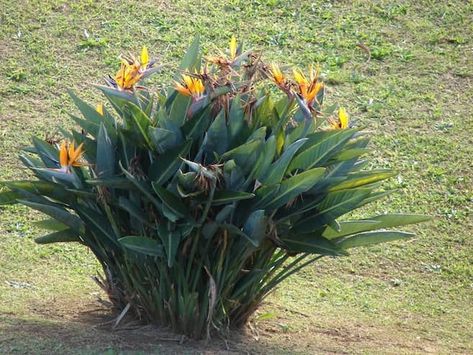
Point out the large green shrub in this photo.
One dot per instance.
(199, 200)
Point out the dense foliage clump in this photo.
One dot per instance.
(199, 200)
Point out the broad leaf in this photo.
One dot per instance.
(294, 186)
(318, 152)
(255, 227)
(173, 202)
(191, 60)
(60, 214)
(372, 223)
(334, 205)
(310, 243)
(224, 196)
(361, 179)
(170, 240)
(168, 163)
(66, 235)
(370, 238)
(278, 168)
(142, 245)
(105, 161)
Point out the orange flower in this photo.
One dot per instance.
(192, 86)
(69, 156)
(343, 120)
(233, 48)
(278, 76)
(131, 70)
(308, 88)
(222, 60)
(99, 109)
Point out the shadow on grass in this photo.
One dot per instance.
(91, 332)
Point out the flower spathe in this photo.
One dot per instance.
(132, 70)
(222, 60)
(233, 47)
(69, 156)
(144, 57)
(191, 86)
(308, 88)
(343, 120)
(99, 109)
(277, 75)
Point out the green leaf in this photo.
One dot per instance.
(370, 238)
(141, 122)
(105, 161)
(241, 153)
(216, 139)
(191, 60)
(372, 223)
(236, 120)
(350, 154)
(118, 98)
(45, 188)
(66, 235)
(335, 204)
(225, 196)
(310, 243)
(294, 186)
(245, 155)
(87, 111)
(316, 153)
(142, 245)
(143, 187)
(278, 168)
(50, 224)
(209, 229)
(88, 127)
(48, 154)
(373, 196)
(116, 183)
(265, 194)
(194, 129)
(92, 116)
(170, 240)
(179, 109)
(163, 139)
(255, 227)
(60, 214)
(365, 178)
(136, 213)
(264, 161)
(231, 228)
(173, 202)
(168, 163)
(97, 223)
(350, 227)
(54, 175)
(8, 197)
(224, 213)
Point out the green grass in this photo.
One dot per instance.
(415, 95)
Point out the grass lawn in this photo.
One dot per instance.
(403, 69)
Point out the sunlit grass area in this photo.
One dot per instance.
(403, 69)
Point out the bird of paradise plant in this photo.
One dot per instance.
(200, 200)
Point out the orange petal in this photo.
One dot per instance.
(182, 89)
(76, 154)
(63, 155)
